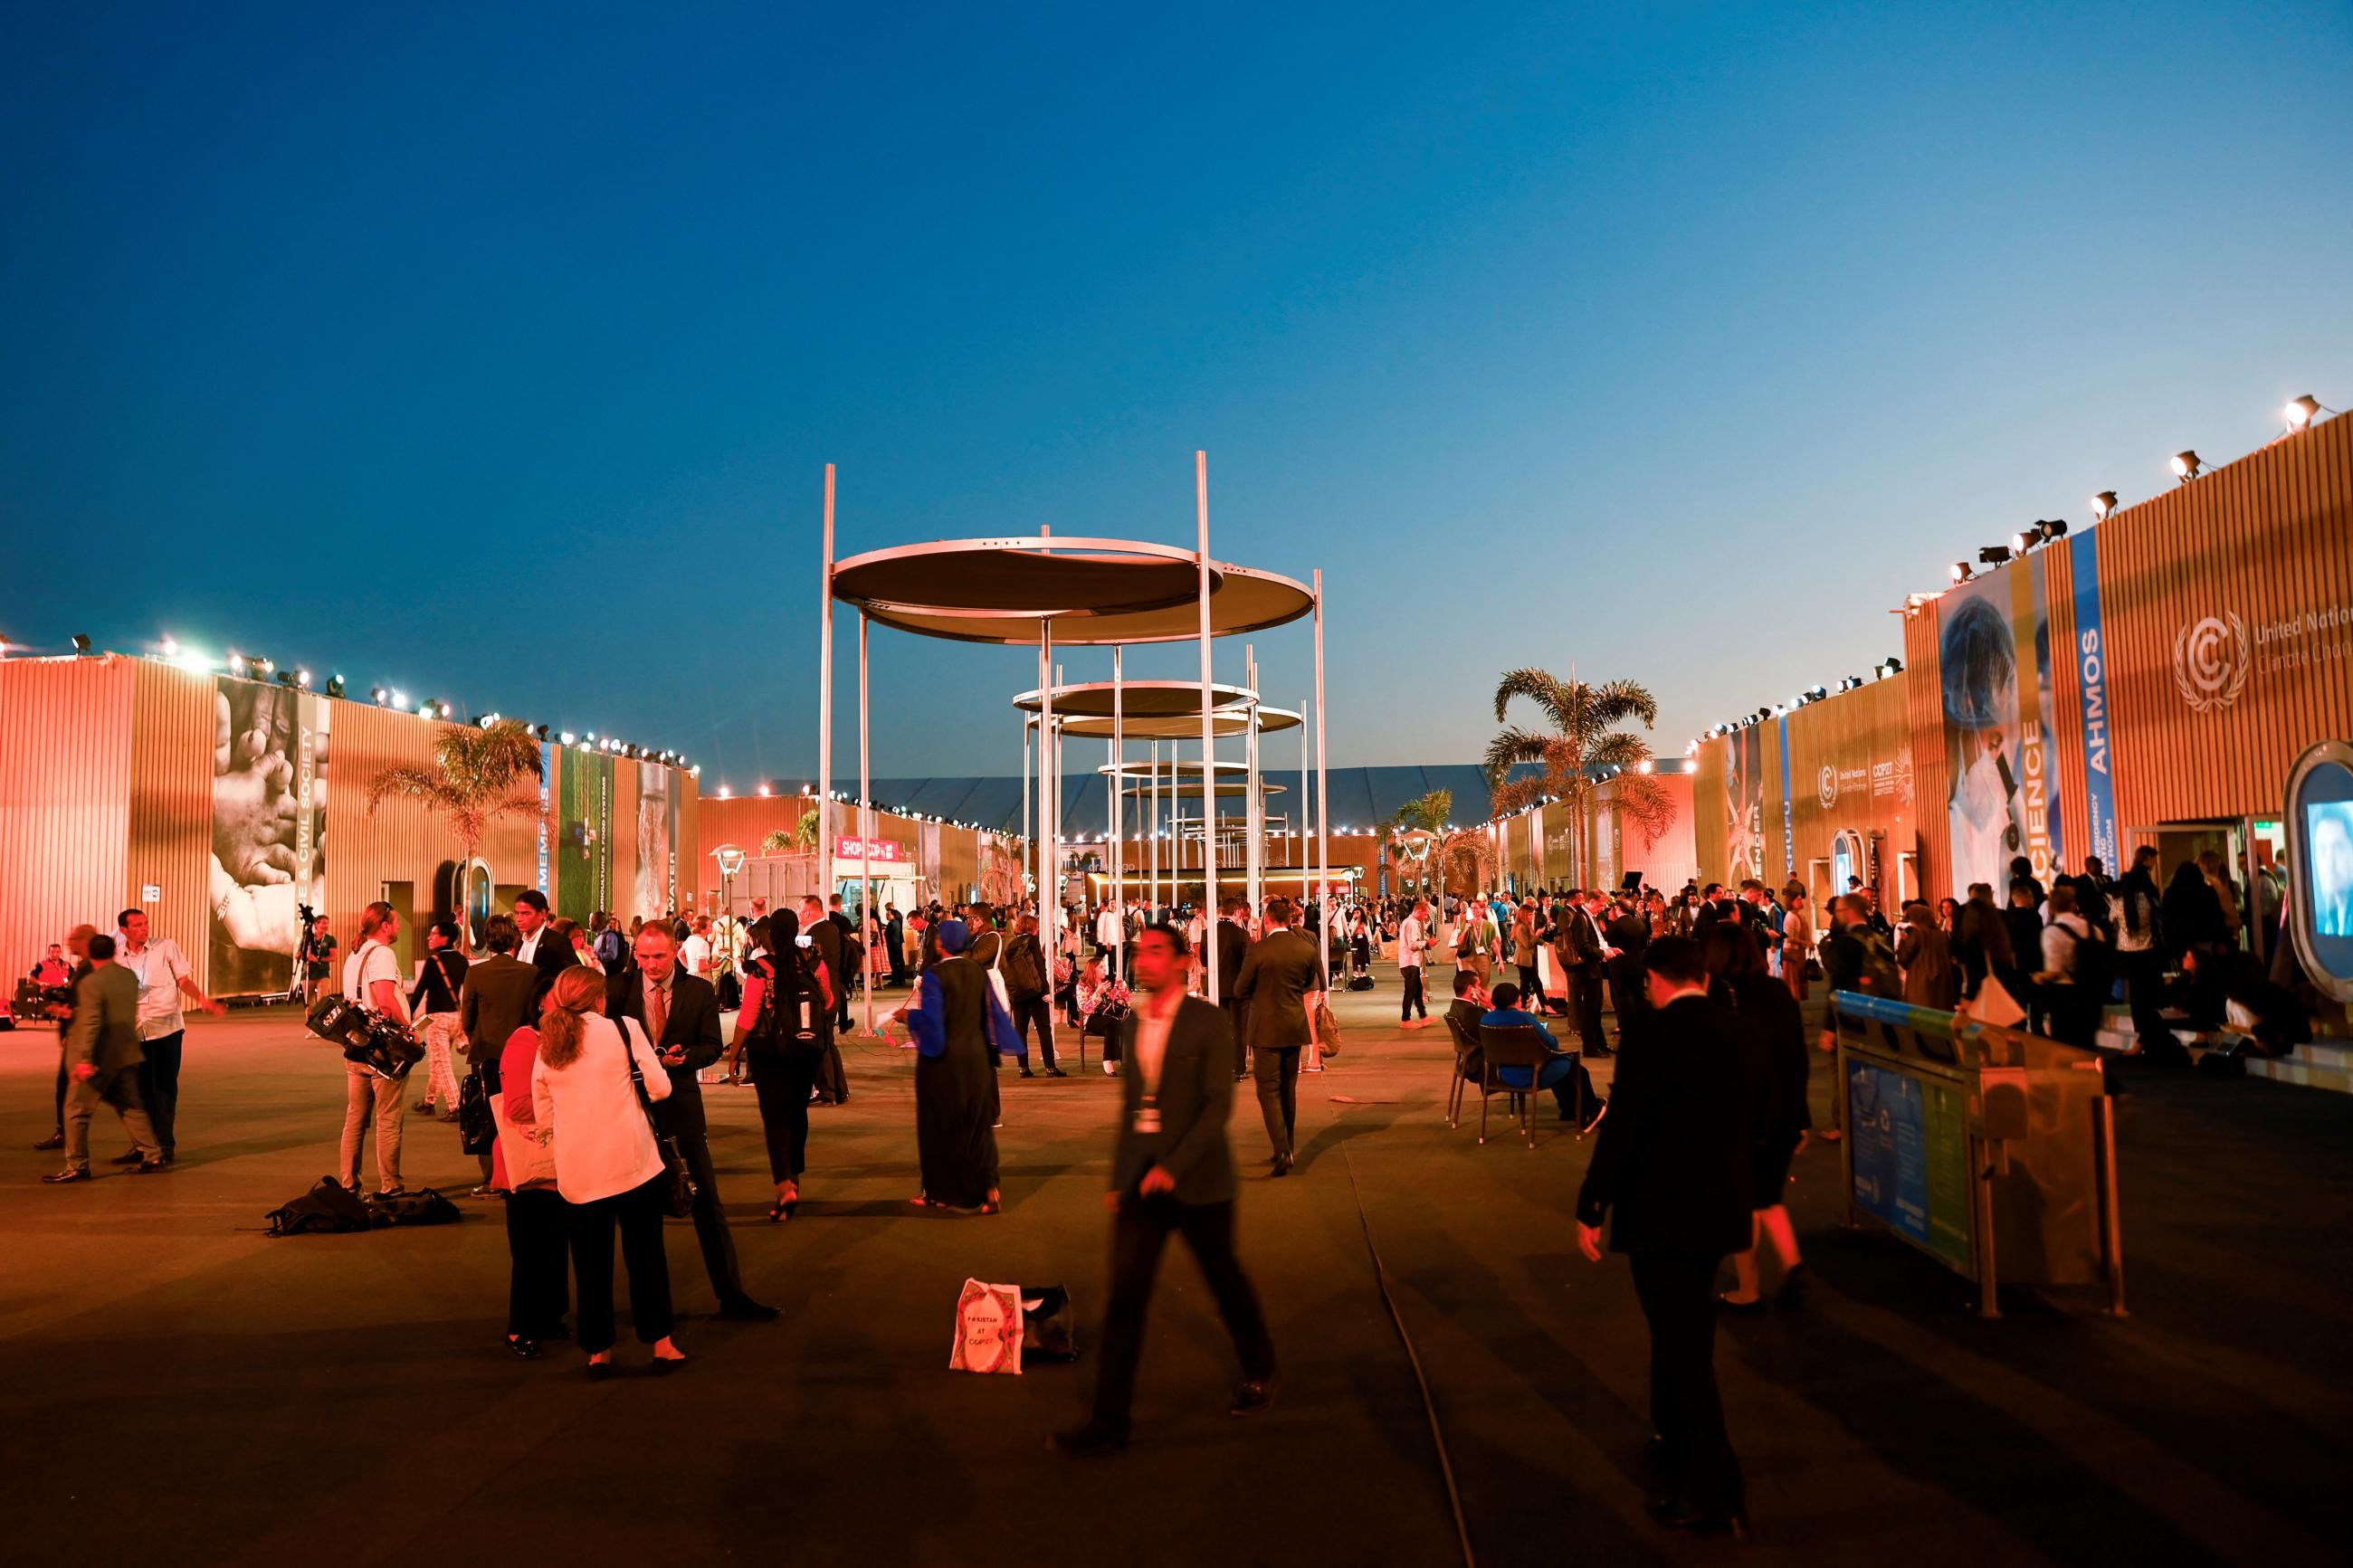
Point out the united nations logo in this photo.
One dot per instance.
(2211, 661)
(1827, 786)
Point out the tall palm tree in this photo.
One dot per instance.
(480, 774)
(1580, 748)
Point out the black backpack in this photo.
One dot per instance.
(423, 1206)
(1025, 976)
(328, 1208)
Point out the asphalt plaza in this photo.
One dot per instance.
(176, 1383)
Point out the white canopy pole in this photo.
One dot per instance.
(1323, 798)
(1029, 848)
(1118, 754)
(865, 835)
(1253, 813)
(1209, 738)
(1152, 835)
(1046, 896)
(825, 704)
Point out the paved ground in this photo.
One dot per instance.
(174, 1383)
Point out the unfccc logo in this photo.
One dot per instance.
(2211, 662)
(1827, 786)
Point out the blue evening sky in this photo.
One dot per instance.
(495, 351)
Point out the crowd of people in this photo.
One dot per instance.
(587, 1051)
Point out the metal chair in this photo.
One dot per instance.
(1521, 1046)
(1464, 1044)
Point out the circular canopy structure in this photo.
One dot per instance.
(1096, 592)
(1228, 789)
(1156, 710)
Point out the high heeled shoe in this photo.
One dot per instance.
(783, 1207)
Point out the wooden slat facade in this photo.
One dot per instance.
(65, 799)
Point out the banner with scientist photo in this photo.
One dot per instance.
(1994, 657)
(270, 810)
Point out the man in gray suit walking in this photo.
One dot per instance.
(1281, 977)
(1171, 1171)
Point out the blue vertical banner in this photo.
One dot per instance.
(2092, 691)
(546, 784)
(1789, 810)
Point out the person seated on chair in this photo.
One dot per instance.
(1469, 1004)
(1554, 1075)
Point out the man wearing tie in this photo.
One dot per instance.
(1672, 1174)
(680, 1014)
(538, 946)
(1585, 955)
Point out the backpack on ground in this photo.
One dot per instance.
(424, 1207)
(326, 1208)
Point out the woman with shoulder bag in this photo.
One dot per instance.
(781, 1032)
(590, 1099)
(539, 1288)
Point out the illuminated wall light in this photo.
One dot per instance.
(2104, 503)
(2301, 411)
(2186, 466)
(1961, 572)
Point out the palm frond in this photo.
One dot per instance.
(1510, 748)
(1617, 750)
(1516, 795)
(1543, 688)
(1646, 803)
(1620, 700)
(410, 783)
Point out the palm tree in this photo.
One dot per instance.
(1580, 750)
(800, 836)
(480, 774)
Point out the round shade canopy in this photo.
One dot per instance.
(1191, 790)
(1095, 592)
(1156, 710)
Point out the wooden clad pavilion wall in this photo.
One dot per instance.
(65, 799)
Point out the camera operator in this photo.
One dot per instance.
(318, 955)
(372, 979)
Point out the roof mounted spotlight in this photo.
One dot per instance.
(238, 666)
(1995, 554)
(441, 710)
(2053, 527)
(2104, 503)
(379, 696)
(303, 678)
(2301, 411)
(334, 686)
(1961, 572)
(82, 642)
(541, 730)
(2186, 466)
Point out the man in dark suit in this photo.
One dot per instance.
(500, 995)
(103, 1047)
(1233, 947)
(538, 945)
(1584, 958)
(680, 1013)
(1629, 934)
(1278, 977)
(825, 941)
(1671, 1173)
(1171, 1171)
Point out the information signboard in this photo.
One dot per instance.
(1909, 1143)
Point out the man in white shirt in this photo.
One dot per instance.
(540, 947)
(1110, 936)
(165, 979)
(1413, 943)
(372, 978)
(694, 953)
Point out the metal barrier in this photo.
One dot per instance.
(1979, 1145)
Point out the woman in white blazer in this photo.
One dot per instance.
(607, 1166)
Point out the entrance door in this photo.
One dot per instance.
(402, 897)
(1907, 877)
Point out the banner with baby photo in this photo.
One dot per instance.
(1994, 660)
(269, 814)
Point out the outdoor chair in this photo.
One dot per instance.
(1518, 1049)
(1463, 1046)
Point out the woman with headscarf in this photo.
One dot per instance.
(959, 1028)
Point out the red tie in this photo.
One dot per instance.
(657, 1012)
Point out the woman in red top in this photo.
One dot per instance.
(538, 1269)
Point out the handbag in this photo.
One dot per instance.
(477, 1129)
(677, 1181)
(1328, 1029)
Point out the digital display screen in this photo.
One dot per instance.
(2321, 868)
